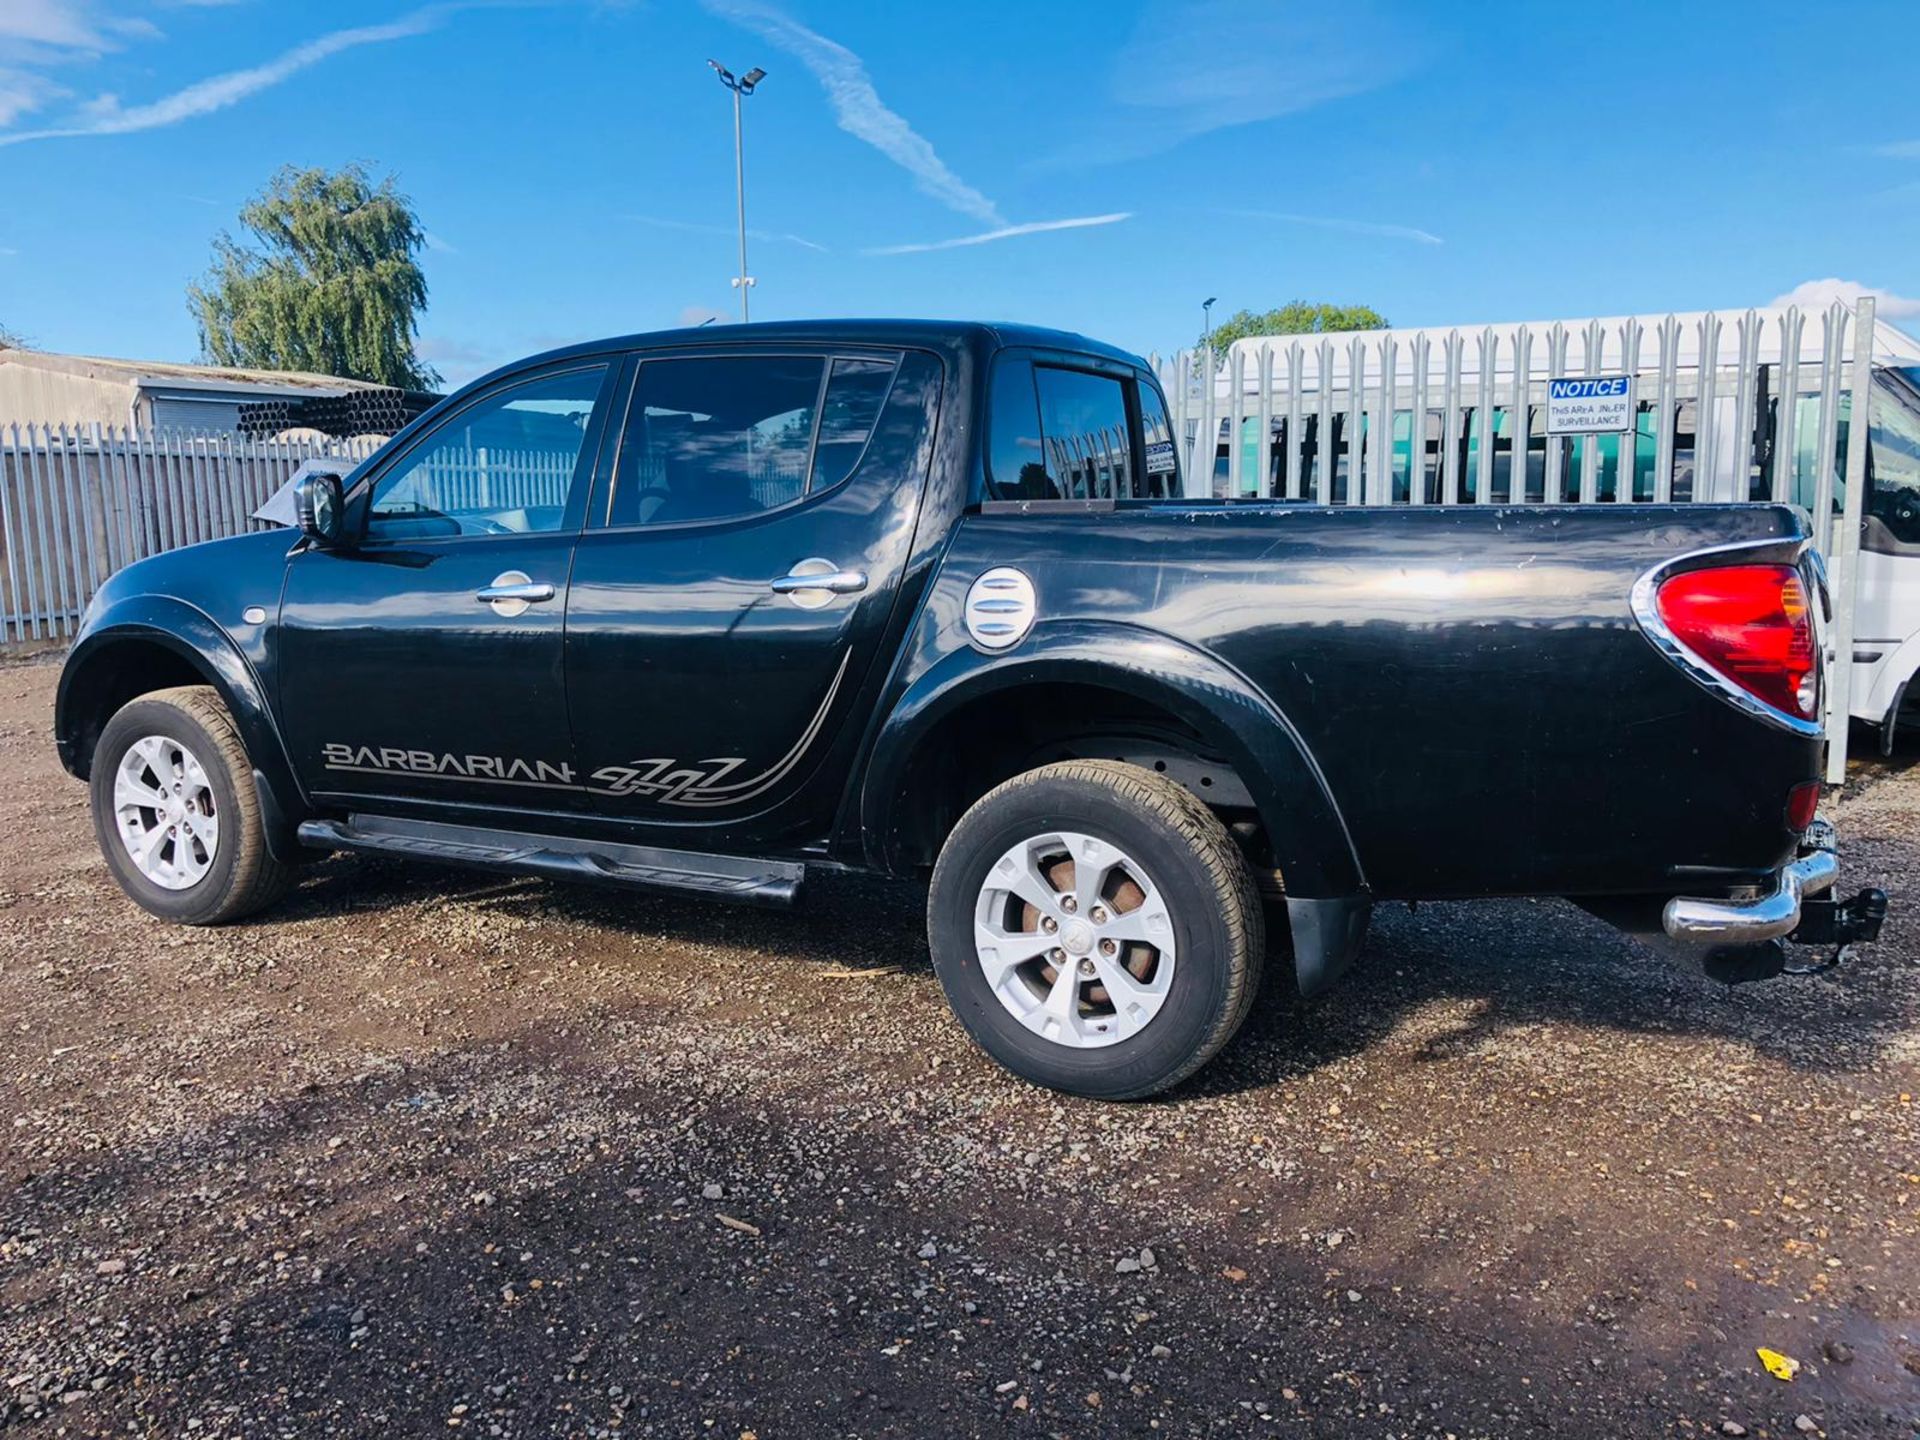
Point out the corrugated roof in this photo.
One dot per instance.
(102, 367)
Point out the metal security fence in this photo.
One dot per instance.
(1765, 405)
(77, 505)
(1746, 407)
(477, 479)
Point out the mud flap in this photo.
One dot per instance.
(1327, 934)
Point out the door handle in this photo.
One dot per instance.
(511, 592)
(820, 575)
(527, 591)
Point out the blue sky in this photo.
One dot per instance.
(573, 161)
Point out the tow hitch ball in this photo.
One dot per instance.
(1823, 921)
(1839, 923)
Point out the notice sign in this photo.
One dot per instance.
(1590, 404)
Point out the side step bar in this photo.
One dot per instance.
(771, 883)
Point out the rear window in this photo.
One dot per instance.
(1060, 433)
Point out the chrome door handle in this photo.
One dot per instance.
(511, 592)
(820, 575)
(527, 592)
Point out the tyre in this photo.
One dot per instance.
(177, 813)
(1095, 929)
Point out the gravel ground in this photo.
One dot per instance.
(427, 1152)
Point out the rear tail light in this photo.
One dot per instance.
(1802, 801)
(1750, 625)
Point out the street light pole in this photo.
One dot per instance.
(740, 87)
(1206, 316)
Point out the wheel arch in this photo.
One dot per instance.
(149, 644)
(902, 808)
(1892, 682)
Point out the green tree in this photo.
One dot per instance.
(1296, 317)
(332, 283)
(11, 341)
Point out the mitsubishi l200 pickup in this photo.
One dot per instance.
(703, 610)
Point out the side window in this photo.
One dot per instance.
(502, 466)
(1088, 443)
(1162, 455)
(715, 437)
(1058, 434)
(1893, 498)
(856, 392)
(1014, 457)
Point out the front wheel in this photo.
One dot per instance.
(177, 813)
(1095, 929)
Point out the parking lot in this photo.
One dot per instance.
(425, 1151)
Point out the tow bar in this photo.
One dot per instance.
(1842, 924)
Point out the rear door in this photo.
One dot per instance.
(732, 593)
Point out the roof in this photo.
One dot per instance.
(161, 373)
(993, 334)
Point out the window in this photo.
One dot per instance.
(1014, 423)
(1163, 464)
(712, 438)
(856, 391)
(502, 466)
(1084, 419)
(1893, 497)
(1062, 434)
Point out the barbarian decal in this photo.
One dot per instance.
(495, 769)
(699, 785)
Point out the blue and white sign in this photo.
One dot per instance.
(1590, 405)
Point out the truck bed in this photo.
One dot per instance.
(1471, 682)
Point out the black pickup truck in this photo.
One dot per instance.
(700, 611)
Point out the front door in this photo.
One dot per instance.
(731, 599)
(422, 665)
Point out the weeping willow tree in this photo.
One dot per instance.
(330, 283)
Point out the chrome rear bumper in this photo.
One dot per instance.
(1767, 916)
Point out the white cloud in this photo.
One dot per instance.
(432, 241)
(1193, 66)
(22, 92)
(1350, 227)
(1819, 294)
(660, 222)
(1005, 232)
(1899, 149)
(105, 115)
(56, 24)
(858, 108)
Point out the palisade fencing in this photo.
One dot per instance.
(1093, 464)
(481, 478)
(78, 504)
(1767, 405)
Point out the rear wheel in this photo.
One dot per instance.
(1095, 928)
(177, 813)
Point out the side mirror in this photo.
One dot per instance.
(317, 507)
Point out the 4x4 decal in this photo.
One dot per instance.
(704, 784)
(694, 784)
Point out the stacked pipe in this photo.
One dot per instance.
(357, 412)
